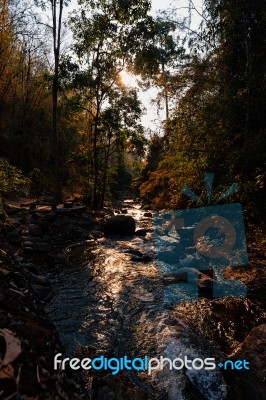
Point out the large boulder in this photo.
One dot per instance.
(120, 225)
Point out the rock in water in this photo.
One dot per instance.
(141, 232)
(120, 225)
(147, 214)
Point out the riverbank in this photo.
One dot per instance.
(28, 340)
(30, 242)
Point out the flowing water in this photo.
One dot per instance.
(109, 301)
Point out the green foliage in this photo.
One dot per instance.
(118, 132)
(219, 121)
(214, 100)
(105, 39)
(3, 215)
(38, 182)
(161, 50)
(12, 181)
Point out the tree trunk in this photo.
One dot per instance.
(95, 202)
(55, 132)
(105, 169)
(57, 25)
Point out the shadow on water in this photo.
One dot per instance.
(71, 280)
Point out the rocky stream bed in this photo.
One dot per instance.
(104, 296)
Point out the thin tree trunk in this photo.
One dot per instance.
(165, 93)
(57, 25)
(105, 169)
(95, 202)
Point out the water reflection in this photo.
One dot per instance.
(109, 304)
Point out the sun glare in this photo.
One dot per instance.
(128, 79)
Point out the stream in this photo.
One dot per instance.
(108, 301)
